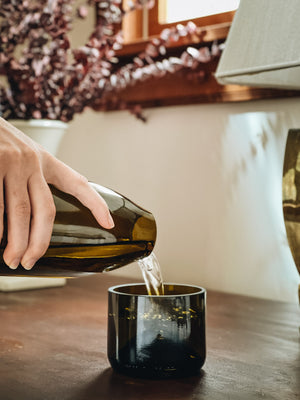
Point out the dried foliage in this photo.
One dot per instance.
(50, 80)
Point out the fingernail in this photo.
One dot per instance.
(14, 263)
(110, 222)
(28, 264)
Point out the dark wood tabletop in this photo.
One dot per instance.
(53, 347)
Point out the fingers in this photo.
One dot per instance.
(18, 220)
(43, 214)
(26, 197)
(70, 181)
(30, 216)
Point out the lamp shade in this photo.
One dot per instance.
(263, 45)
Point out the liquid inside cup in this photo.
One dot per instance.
(170, 289)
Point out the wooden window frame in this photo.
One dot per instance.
(155, 27)
(170, 90)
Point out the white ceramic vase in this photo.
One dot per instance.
(49, 134)
(46, 132)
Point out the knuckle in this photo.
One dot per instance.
(14, 251)
(18, 157)
(45, 155)
(37, 250)
(80, 185)
(22, 208)
(10, 154)
(49, 209)
(50, 212)
(82, 180)
(30, 156)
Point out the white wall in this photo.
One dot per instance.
(211, 175)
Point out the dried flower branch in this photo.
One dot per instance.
(51, 80)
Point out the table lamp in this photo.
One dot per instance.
(263, 45)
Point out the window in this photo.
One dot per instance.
(143, 24)
(167, 13)
(170, 11)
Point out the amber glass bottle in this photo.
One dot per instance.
(80, 245)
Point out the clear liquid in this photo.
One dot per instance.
(152, 275)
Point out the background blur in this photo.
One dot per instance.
(211, 175)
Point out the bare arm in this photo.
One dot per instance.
(26, 169)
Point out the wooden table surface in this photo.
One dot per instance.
(53, 347)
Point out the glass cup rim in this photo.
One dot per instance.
(114, 290)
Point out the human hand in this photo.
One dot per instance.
(26, 170)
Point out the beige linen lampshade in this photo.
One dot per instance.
(263, 45)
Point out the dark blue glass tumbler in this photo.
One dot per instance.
(156, 336)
